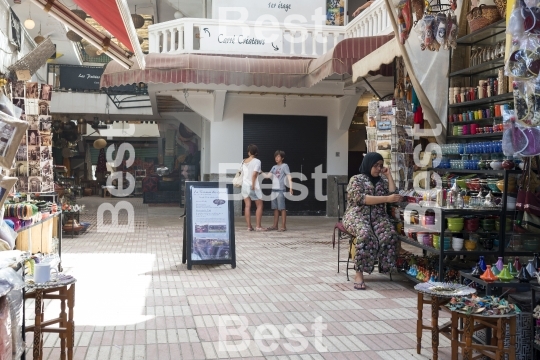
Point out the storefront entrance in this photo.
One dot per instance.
(303, 138)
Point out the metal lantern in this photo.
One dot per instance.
(39, 39)
(100, 144)
(91, 50)
(73, 36)
(138, 21)
(80, 14)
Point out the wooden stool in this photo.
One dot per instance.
(437, 303)
(66, 325)
(473, 323)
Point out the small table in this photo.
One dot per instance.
(494, 350)
(63, 290)
(71, 215)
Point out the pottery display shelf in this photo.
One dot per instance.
(495, 285)
(535, 287)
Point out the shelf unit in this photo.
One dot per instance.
(489, 100)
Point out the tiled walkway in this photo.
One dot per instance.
(136, 300)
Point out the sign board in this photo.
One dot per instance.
(238, 39)
(282, 11)
(23, 75)
(208, 224)
(80, 77)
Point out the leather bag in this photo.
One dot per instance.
(238, 178)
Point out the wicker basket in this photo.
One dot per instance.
(482, 16)
(501, 6)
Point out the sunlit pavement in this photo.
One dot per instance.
(136, 300)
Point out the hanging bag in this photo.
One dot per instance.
(528, 200)
(238, 178)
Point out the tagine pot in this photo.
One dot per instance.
(477, 271)
(500, 264)
(482, 264)
(505, 275)
(517, 264)
(512, 269)
(524, 276)
(495, 269)
(488, 275)
(530, 268)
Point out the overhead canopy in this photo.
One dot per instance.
(383, 55)
(113, 15)
(253, 71)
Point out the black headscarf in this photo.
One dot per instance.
(370, 159)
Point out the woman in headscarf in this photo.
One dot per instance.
(367, 220)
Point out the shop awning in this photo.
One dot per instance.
(383, 55)
(113, 15)
(246, 71)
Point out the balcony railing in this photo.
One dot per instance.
(211, 36)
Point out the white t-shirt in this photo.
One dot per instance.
(248, 170)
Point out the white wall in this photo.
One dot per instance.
(84, 103)
(226, 137)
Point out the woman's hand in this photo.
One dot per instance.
(363, 7)
(394, 198)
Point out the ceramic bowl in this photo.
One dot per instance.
(470, 245)
(455, 227)
(455, 220)
(493, 186)
(462, 183)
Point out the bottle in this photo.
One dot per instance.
(459, 201)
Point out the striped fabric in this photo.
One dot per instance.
(247, 71)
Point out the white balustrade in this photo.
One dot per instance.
(190, 35)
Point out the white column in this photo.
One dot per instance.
(188, 37)
(303, 37)
(181, 38)
(336, 39)
(165, 41)
(314, 43)
(325, 42)
(153, 42)
(172, 47)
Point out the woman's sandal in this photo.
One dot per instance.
(250, 229)
(260, 229)
(271, 228)
(360, 285)
(282, 229)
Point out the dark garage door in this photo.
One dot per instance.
(303, 138)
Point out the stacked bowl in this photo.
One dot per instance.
(456, 224)
(472, 223)
(437, 241)
(508, 224)
(457, 243)
(488, 224)
(447, 242)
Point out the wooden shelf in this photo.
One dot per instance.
(489, 100)
(484, 33)
(491, 119)
(480, 68)
(476, 136)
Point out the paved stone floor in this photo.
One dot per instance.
(136, 300)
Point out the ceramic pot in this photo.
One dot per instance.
(500, 264)
(508, 164)
(512, 269)
(523, 275)
(530, 268)
(477, 271)
(488, 275)
(505, 275)
(495, 269)
(517, 264)
(482, 264)
(496, 165)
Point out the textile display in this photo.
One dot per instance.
(34, 157)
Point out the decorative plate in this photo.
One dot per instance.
(442, 289)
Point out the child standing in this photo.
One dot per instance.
(279, 172)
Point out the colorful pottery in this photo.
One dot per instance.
(505, 275)
(530, 268)
(512, 269)
(517, 264)
(488, 275)
(500, 264)
(523, 275)
(495, 269)
(477, 271)
(482, 264)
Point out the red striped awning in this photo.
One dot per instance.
(245, 71)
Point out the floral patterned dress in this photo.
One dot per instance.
(376, 238)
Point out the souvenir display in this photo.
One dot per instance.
(485, 306)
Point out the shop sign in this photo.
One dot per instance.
(281, 11)
(240, 39)
(208, 224)
(80, 77)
